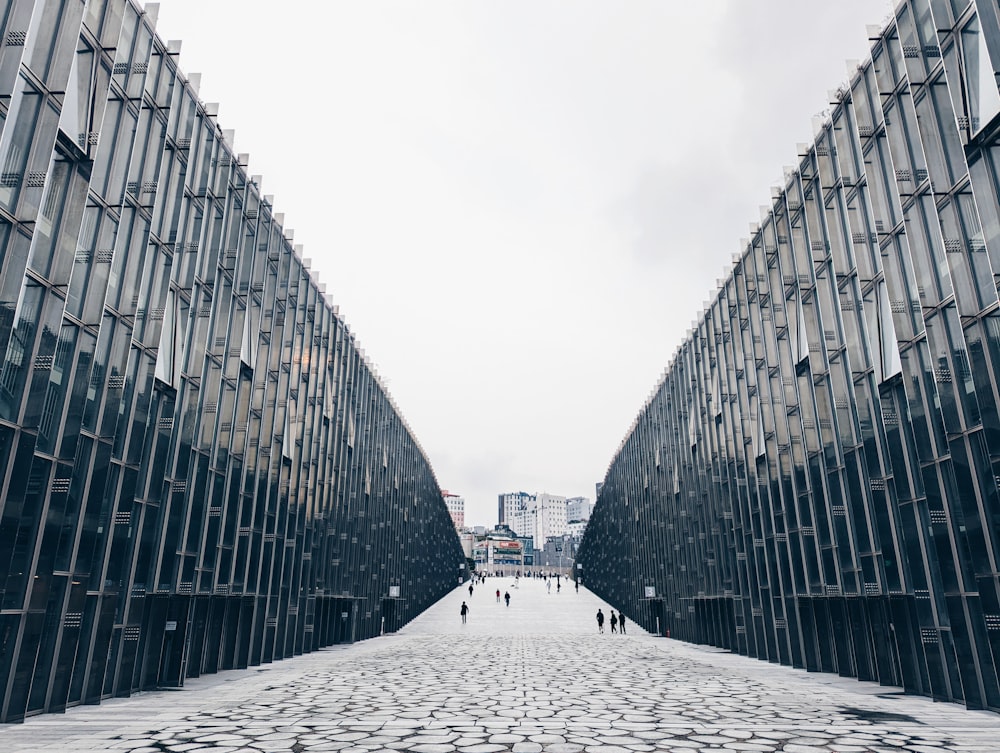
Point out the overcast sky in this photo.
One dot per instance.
(520, 206)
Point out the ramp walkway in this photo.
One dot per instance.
(530, 677)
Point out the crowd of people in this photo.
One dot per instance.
(617, 621)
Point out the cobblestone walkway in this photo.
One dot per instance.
(534, 676)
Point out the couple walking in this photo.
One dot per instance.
(616, 621)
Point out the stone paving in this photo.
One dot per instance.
(535, 676)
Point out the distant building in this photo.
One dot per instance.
(578, 508)
(537, 516)
(549, 516)
(468, 540)
(499, 550)
(576, 528)
(456, 508)
(513, 509)
(558, 553)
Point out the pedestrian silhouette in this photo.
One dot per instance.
(614, 622)
(464, 611)
(578, 586)
(470, 590)
(506, 597)
(498, 596)
(600, 621)
(621, 622)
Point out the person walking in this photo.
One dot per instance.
(506, 597)
(578, 586)
(470, 590)
(498, 596)
(464, 611)
(621, 621)
(614, 622)
(600, 621)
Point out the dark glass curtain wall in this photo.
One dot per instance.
(199, 469)
(815, 479)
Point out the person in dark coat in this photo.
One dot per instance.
(464, 611)
(600, 621)
(506, 597)
(621, 622)
(614, 622)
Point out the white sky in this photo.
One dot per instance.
(520, 206)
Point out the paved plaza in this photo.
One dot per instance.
(534, 676)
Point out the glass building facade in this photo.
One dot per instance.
(199, 468)
(814, 481)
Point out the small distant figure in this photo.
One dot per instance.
(621, 622)
(600, 621)
(470, 590)
(558, 586)
(498, 596)
(578, 586)
(548, 586)
(506, 597)
(464, 611)
(614, 622)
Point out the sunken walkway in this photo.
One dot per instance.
(535, 676)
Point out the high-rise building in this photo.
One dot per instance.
(549, 517)
(537, 516)
(578, 508)
(193, 450)
(513, 511)
(456, 508)
(816, 479)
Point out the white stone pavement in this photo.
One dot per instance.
(534, 676)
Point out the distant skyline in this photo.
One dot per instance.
(504, 199)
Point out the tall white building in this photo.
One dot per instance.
(537, 516)
(549, 518)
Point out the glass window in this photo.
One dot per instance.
(930, 268)
(942, 172)
(943, 13)
(18, 17)
(86, 99)
(15, 145)
(971, 80)
(54, 29)
(911, 46)
(53, 403)
(104, 19)
(20, 350)
(903, 299)
(966, 254)
(115, 151)
(882, 184)
(77, 400)
(979, 261)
